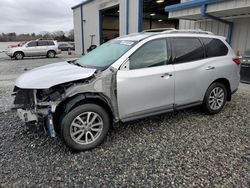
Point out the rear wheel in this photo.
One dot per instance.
(18, 55)
(215, 98)
(51, 54)
(85, 127)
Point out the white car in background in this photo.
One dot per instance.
(48, 48)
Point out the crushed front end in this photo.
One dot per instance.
(25, 103)
(37, 106)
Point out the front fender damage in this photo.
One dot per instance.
(101, 86)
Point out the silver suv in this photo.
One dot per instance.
(47, 48)
(130, 77)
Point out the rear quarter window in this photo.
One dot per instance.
(214, 47)
(51, 43)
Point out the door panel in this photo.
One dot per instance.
(42, 47)
(31, 49)
(191, 81)
(193, 73)
(145, 90)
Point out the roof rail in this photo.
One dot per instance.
(44, 39)
(159, 30)
(197, 31)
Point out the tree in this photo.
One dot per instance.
(71, 35)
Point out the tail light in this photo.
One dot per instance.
(237, 60)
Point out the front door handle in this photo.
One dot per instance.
(166, 75)
(210, 68)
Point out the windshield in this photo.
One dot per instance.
(105, 55)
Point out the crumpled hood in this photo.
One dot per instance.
(50, 75)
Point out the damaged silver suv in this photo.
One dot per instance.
(130, 77)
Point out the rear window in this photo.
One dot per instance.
(214, 47)
(187, 49)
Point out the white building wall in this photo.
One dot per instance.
(77, 30)
(133, 16)
(91, 19)
(91, 25)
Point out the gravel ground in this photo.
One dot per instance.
(182, 149)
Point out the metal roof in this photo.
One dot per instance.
(190, 4)
(81, 4)
(224, 10)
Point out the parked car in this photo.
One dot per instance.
(65, 46)
(128, 78)
(17, 45)
(33, 48)
(73, 44)
(245, 67)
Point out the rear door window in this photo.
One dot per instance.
(186, 49)
(214, 47)
(42, 43)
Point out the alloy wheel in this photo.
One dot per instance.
(86, 128)
(216, 98)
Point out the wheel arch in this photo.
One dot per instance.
(51, 50)
(18, 52)
(226, 83)
(83, 98)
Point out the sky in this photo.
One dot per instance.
(36, 16)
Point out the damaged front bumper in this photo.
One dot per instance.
(27, 115)
(30, 111)
(42, 117)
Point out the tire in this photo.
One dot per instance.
(80, 135)
(19, 55)
(215, 98)
(51, 54)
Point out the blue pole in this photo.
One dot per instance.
(127, 17)
(140, 15)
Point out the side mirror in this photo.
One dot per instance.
(125, 66)
(92, 47)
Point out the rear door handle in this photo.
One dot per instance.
(166, 75)
(210, 68)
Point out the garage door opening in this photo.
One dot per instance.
(109, 24)
(154, 15)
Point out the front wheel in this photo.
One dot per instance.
(85, 127)
(215, 98)
(18, 55)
